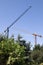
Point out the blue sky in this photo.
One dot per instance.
(32, 21)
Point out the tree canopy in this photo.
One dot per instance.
(19, 52)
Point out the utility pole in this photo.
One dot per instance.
(7, 30)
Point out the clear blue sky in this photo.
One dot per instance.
(32, 21)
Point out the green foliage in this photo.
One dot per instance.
(37, 54)
(19, 52)
(11, 52)
(41, 64)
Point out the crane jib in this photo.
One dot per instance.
(16, 20)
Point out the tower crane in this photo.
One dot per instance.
(7, 30)
(34, 34)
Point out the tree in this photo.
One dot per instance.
(41, 64)
(37, 54)
(11, 52)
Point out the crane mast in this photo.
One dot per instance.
(7, 30)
